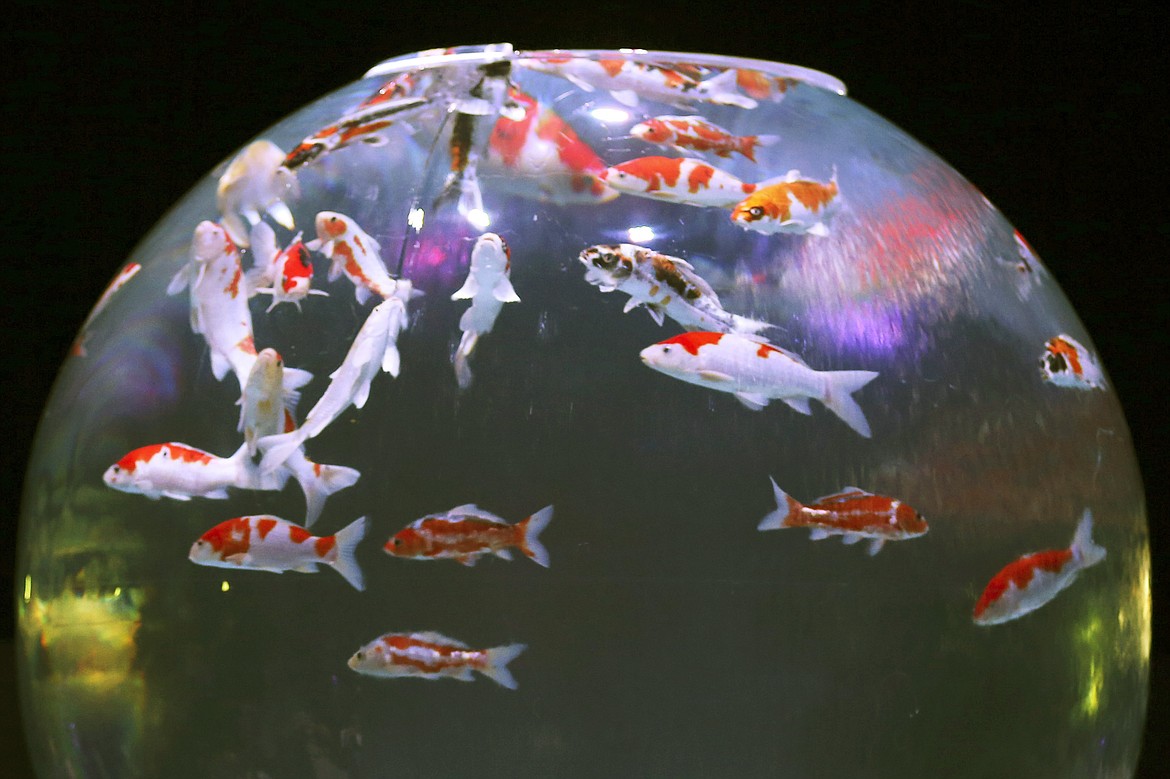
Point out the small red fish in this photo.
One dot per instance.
(467, 533)
(1031, 581)
(852, 513)
(430, 655)
(694, 133)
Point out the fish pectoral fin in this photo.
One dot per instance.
(818, 534)
(819, 229)
(722, 378)
(361, 294)
(179, 495)
(850, 538)
(503, 554)
(798, 404)
(220, 494)
(627, 97)
(362, 394)
(875, 546)
(655, 313)
(630, 305)
(468, 290)
(240, 558)
(751, 400)
(219, 365)
(504, 292)
(306, 568)
(468, 560)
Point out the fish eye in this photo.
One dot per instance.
(666, 350)
(397, 542)
(360, 656)
(117, 469)
(756, 212)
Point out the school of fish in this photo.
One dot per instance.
(503, 132)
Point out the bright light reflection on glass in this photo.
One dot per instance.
(610, 115)
(27, 589)
(415, 218)
(641, 234)
(225, 586)
(478, 218)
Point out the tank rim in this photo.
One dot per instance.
(498, 52)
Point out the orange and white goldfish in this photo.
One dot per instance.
(354, 253)
(366, 124)
(129, 271)
(181, 472)
(488, 287)
(1066, 363)
(756, 372)
(467, 533)
(678, 179)
(629, 81)
(1031, 581)
(430, 655)
(544, 158)
(694, 133)
(286, 274)
(266, 543)
(267, 407)
(254, 183)
(761, 86)
(790, 204)
(852, 513)
(666, 286)
(374, 348)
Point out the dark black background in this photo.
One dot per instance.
(1055, 111)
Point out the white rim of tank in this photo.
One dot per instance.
(498, 52)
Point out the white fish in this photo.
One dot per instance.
(666, 286)
(373, 349)
(254, 183)
(354, 253)
(267, 543)
(756, 372)
(181, 472)
(489, 287)
(267, 410)
(628, 81)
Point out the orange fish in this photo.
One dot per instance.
(467, 533)
(852, 513)
(790, 204)
(695, 133)
(430, 655)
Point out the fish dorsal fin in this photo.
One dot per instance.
(818, 534)
(466, 508)
(474, 512)
(434, 637)
(800, 405)
(844, 494)
(683, 263)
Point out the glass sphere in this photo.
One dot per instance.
(548, 355)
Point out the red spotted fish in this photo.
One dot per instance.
(267, 543)
(1066, 363)
(1031, 581)
(677, 179)
(285, 274)
(756, 372)
(790, 204)
(467, 533)
(666, 286)
(430, 655)
(353, 252)
(255, 183)
(181, 472)
(852, 513)
(694, 133)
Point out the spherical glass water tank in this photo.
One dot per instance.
(548, 356)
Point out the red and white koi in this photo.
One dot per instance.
(852, 513)
(267, 408)
(266, 543)
(129, 271)
(678, 179)
(629, 81)
(467, 533)
(666, 286)
(488, 287)
(761, 86)
(1066, 363)
(430, 655)
(694, 133)
(374, 348)
(255, 183)
(286, 274)
(1031, 581)
(367, 124)
(790, 204)
(353, 252)
(756, 372)
(181, 472)
(544, 157)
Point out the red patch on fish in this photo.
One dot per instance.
(699, 178)
(612, 67)
(264, 527)
(176, 452)
(230, 538)
(324, 544)
(693, 341)
(508, 136)
(655, 171)
(1020, 574)
(1068, 352)
(298, 535)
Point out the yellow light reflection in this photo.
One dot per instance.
(27, 588)
(225, 586)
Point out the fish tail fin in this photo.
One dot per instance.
(722, 90)
(462, 359)
(839, 398)
(749, 326)
(787, 508)
(318, 482)
(236, 229)
(251, 477)
(1084, 548)
(180, 280)
(531, 529)
(347, 540)
(496, 668)
(278, 448)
